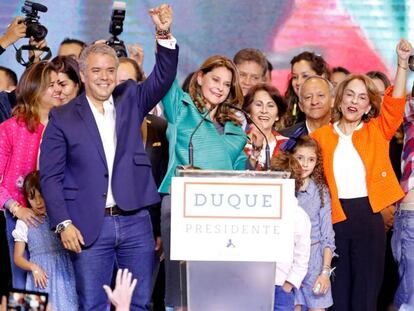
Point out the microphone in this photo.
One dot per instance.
(39, 7)
(190, 144)
(267, 148)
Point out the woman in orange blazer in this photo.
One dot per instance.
(361, 181)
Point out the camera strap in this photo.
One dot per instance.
(28, 47)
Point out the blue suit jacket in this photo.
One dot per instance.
(73, 168)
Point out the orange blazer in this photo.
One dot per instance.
(372, 145)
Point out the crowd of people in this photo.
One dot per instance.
(89, 145)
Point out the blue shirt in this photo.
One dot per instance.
(320, 217)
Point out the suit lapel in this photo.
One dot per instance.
(88, 119)
(116, 96)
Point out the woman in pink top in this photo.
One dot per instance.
(37, 93)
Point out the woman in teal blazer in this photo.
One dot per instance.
(218, 143)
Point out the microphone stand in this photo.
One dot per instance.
(190, 144)
(267, 148)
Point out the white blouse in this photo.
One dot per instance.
(349, 170)
(20, 231)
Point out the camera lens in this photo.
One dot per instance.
(37, 31)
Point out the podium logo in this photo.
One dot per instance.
(230, 200)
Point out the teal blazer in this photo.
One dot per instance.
(211, 150)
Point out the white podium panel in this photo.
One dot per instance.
(232, 219)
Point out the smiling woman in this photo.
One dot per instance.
(69, 81)
(361, 180)
(19, 147)
(266, 108)
(218, 139)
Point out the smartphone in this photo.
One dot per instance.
(19, 299)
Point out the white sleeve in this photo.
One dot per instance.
(301, 250)
(20, 231)
(168, 43)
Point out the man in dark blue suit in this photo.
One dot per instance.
(95, 175)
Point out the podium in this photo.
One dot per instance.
(228, 228)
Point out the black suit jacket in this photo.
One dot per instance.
(7, 103)
(156, 147)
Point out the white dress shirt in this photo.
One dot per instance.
(106, 128)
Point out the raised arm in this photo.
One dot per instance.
(14, 32)
(166, 59)
(392, 109)
(403, 53)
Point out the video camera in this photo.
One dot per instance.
(116, 28)
(34, 28)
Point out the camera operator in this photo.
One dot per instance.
(71, 47)
(15, 31)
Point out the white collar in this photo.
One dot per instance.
(342, 134)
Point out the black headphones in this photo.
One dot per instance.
(28, 47)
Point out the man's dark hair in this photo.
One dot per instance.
(10, 74)
(341, 69)
(74, 41)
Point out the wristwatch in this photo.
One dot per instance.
(62, 226)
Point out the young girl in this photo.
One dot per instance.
(289, 275)
(50, 265)
(313, 197)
